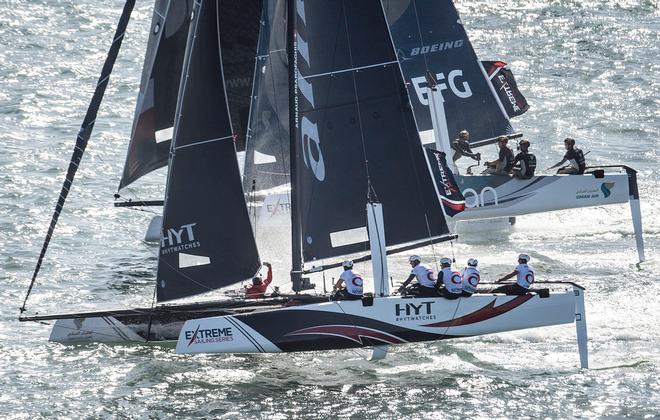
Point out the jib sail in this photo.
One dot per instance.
(207, 237)
(267, 148)
(154, 117)
(356, 138)
(429, 36)
(154, 114)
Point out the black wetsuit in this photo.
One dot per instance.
(527, 165)
(576, 156)
(506, 157)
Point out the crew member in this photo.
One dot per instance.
(504, 162)
(461, 147)
(574, 157)
(524, 162)
(524, 278)
(426, 281)
(470, 277)
(259, 285)
(451, 280)
(350, 284)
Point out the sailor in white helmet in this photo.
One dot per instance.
(470, 277)
(524, 278)
(350, 283)
(451, 280)
(426, 281)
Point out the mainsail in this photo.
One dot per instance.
(429, 36)
(356, 139)
(207, 237)
(154, 116)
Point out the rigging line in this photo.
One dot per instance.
(84, 134)
(370, 186)
(419, 32)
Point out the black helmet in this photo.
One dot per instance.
(257, 280)
(522, 143)
(569, 140)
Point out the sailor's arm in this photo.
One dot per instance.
(558, 164)
(507, 277)
(269, 275)
(407, 282)
(337, 285)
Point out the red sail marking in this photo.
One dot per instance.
(455, 206)
(487, 312)
(350, 332)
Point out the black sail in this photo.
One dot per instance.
(239, 23)
(207, 237)
(154, 114)
(356, 136)
(267, 148)
(429, 36)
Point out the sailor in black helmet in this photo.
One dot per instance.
(524, 164)
(461, 147)
(350, 284)
(524, 274)
(574, 157)
(426, 281)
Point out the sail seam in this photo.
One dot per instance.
(351, 69)
(203, 142)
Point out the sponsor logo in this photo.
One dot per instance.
(585, 193)
(413, 312)
(450, 188)
(606, 188)
(455, 84)
(440, 46)
(309, 133)
(209, 335)
(179, 239)
(509, 93)
(474, 199)
(239, 82)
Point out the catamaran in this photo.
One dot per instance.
(361, 183)
(429, 38)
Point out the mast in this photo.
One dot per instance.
(296, 240)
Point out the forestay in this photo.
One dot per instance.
(208, 241)
(356, 139)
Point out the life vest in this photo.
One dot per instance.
(470, 279)
(525, 275)
(452, 280)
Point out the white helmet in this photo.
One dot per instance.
(348, 264)
(445, 260)
(524, 257)
(414, 258)
(472, 262)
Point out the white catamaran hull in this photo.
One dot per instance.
(390, 320)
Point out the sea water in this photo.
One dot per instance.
(588, 69)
